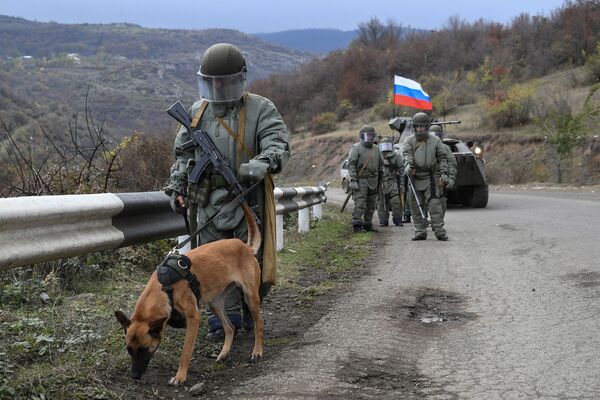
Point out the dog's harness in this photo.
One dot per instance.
(174, 268)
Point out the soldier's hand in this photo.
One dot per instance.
(443, 182)
(411, 171)
(253, 170)
(178, 203)
(353, 185)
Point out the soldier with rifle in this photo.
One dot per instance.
(232, 140)
(390, 188)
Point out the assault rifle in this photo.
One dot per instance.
(210, 153)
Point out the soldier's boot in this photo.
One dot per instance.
(215, 329)
(443, 237)
(406, 219)
(419, 237)
(368, 226)
(383, 222)
(397, 221)
(357, 225)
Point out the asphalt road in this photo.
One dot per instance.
(508, 308)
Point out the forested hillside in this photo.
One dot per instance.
(461, 63)
(133, 73)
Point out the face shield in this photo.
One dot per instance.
(222, 88)
(386, 146)
(367, 137)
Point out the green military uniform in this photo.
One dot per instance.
(426, 158)
(389, 194)
(437, 130)
(253, 138)
(365, 167)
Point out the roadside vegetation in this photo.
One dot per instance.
(59, 338)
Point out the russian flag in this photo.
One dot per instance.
(410, 93)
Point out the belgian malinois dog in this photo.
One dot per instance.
(218, 266)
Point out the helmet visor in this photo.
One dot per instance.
(386, 146)
(367, 137)
(222, 88)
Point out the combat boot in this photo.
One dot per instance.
(419, 237)
(443, 237)
(397, 221)
(383, 222)
(369, 227)
(357, 226)
(406, 219)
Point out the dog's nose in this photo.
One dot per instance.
(135, 375)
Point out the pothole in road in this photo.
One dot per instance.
(435, 306)
(377, 378)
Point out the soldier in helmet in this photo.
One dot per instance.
(389, 196)
(426, 163)
(250, 133)
(438, 131)
(365, 168)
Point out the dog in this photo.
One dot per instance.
(218, 266)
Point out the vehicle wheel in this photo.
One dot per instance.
(345, 186)
(479, 199)
(465, 195)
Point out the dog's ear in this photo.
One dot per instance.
(122, 318)
(156, 328)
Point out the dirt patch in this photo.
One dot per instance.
(378, 378)
(585, 279)
(431, 308)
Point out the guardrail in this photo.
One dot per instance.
(44, 228)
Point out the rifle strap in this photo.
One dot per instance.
(365, 164)
(199, 114)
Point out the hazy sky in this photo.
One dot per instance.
(253, 16)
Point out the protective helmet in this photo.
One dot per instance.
(222, 73)
(386, 145)
(437, 131)
(367, 134)
(420, 122)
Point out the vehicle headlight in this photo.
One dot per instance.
(478, 150)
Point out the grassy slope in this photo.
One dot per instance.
(513, 155)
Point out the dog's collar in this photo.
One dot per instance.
(174, 268)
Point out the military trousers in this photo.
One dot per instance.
(365, 202)
(430, 203)
(387, 202)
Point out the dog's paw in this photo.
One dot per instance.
(176, 380)
(255, 358)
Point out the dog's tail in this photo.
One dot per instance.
(254, 238)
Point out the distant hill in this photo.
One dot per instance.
(310, 40)
(133, 73)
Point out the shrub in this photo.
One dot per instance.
(381, 111)
(593, 64)
(324, 122)
(343, 110)
(511, 108)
